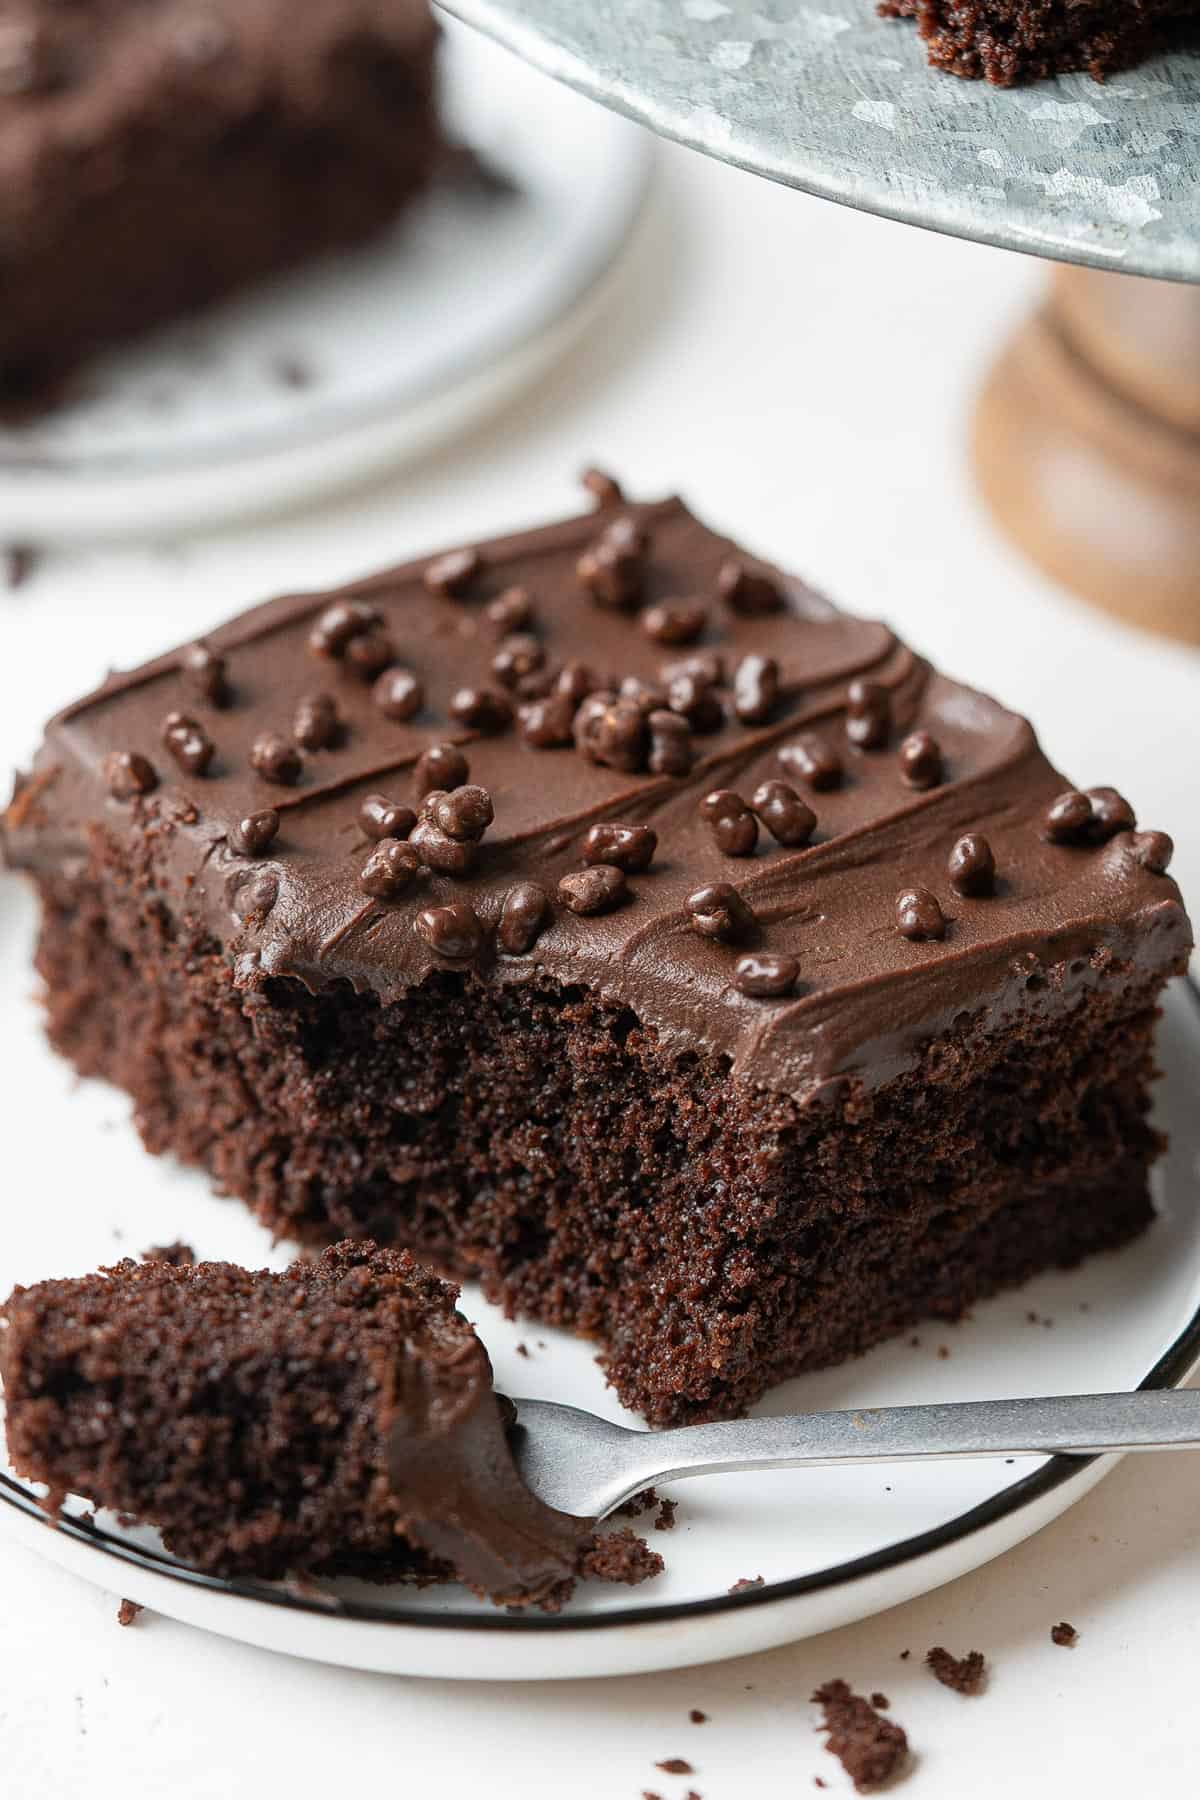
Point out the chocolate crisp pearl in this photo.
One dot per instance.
(765, 976)
(316, 725)
(1154, 850)
(398, 694)
(449, 856)
(206, 674)
(628, 847)
(369, 655)
(719, 911)
(694, 699)
(918, 914)
(746, 590)
(525, 913)
(256, 832)
(276, 759)
(381, 818)
(671, 750)
(511, 611)
(1111, 812)
(339, 624)
(920, 759)
(1068, 819)
(441, 766)
(612, 732)
(647, 696)
(482, 709)
(452, 931)
(813, 760)
(675, 621)
(128, 774)
(519, 656)
(788, 818)
(390, 869)
(755, 689)
(704, 666)
(868, 714)
(188, 743)
(972, 866)
(546, 724)
(595, 890)
(451, 575)
(733, 824)
(613, 569)
(463, 815)
(576, 681)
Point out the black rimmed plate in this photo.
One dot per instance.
(832, 1545)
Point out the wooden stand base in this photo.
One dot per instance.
(1086, 444)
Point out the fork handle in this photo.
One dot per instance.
(1070, 1424)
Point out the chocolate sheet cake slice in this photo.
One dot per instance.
(1012, 41)
(602, 914)
(340, 1415)
(157, 156)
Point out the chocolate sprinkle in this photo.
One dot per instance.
(766, 976)
(628, 847)
(256, 832)
(452, 931)
(786, 816)
(595, 890)
(398, 694)
(381, 818)
(441, 766)
(920, 757)
(719, 911)
(188, 743)
(523, 916)
(128, 774)
(972, 866)
(918, 915)
(389, 870)
(276, 759)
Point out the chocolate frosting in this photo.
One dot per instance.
(866, 996)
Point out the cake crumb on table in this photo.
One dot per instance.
(1064, 1635)
(965, 1674)
(675, 1765)
(666, 1515)
(20, 561)
(869, 1747)
(747, 1582)
(128, 1611)
(880, 1701)
(697, 1717)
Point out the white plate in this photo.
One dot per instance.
(399, 345)
(833, 1545)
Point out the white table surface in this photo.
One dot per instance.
(803, 374)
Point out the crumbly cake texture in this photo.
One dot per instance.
(157, 157)
(869, 1747)
(1009, 42)
(339, 1416)
(860, 1031)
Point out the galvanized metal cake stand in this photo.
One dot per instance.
(1087, 436)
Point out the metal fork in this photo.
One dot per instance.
(587, 1466)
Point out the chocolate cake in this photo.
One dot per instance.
(157, 156)
(1012, 41)
(339, 1415)
(603, 915)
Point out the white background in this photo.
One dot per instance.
(804, 375)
